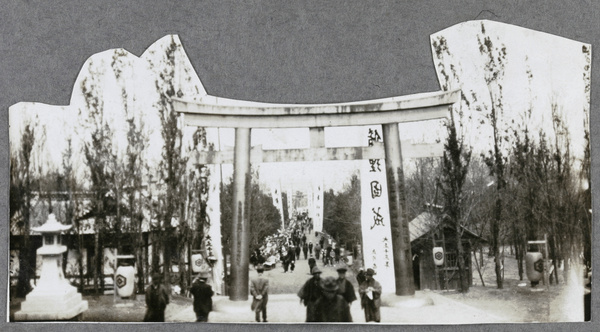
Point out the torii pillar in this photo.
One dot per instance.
(240, 251)
(397, 202)
(211, 111)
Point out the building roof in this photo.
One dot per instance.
(426, 222)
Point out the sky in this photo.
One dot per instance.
(556, 64)
(556, 67)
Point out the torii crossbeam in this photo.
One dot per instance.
(210, 111)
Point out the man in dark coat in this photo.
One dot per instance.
(291, 259)
(202, 293)
(157, 298)
(285, 260)
(331, 307)
(305, 250)
(370, 297)
(310, 293)
(310, 248)
(312, 262)
(259, 288)
(298, 251)
(345, 288)
(361, 277)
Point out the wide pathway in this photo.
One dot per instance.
(284, 305)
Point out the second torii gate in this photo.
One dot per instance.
(211, 111)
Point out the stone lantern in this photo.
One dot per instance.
(53, 298)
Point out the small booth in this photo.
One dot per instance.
(435, 252)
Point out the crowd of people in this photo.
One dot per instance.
(327, 299)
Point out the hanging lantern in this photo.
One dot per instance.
(438, 256)
(197, 261)
(534, 264)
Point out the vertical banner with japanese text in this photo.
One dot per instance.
(290, 203)
(213, 213)
(317, 206)
(277, 201)
(375, 217)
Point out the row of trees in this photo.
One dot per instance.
(124, 192)
(264, 219)
(525, 184)
(341, 213)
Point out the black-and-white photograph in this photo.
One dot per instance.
(150, 196)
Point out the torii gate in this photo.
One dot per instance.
(243, 116)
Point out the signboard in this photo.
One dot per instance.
(317, 206)
(213, 212)
(375, 217)
(277, 201)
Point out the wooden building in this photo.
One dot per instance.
(429, 231)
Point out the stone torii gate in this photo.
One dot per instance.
(211, 111)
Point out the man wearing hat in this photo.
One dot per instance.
(345, 288)
(202, 293)
(259, 288)
(157, 298)
(310, 293)
(370, 297)
(331, 307)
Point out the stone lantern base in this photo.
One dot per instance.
(62, 303)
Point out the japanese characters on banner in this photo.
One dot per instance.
(213, 213)
(317, 206)
(277, 201)
(375, 217)
(290, 203)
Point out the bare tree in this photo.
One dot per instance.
(21, 170)
(496, 157)
(455, 164)
(585, 175)
(97, 149)
(172, 166)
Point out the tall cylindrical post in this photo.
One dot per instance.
(398, 220)
(240, 257)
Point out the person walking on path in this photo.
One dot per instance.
(317, 251)
(298, 252)
(328, 260)
(361, 277)
(202, 293)
(370, 297)
(337, 252)
(310, 292)
(305, 250)
(259, 288)
(312, 262)
(345, 288)
(331, 307)
(291, 259)
(310, 248)
(284, 262)
(157, 298)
